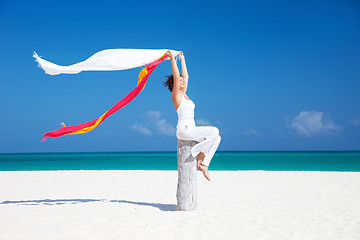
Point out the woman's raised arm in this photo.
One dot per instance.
(176, 74)
(184, 72)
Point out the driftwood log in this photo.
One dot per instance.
(187, 188)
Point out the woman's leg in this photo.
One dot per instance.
(208, 138)
(212, 151)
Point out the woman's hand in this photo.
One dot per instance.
(181, 55)
(169, 54)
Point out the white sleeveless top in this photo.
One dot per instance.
(185, 113)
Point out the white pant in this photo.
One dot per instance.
(208, 138)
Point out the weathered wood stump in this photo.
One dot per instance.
(186, 189)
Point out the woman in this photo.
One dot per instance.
(208, 137)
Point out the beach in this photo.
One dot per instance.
(118, 204)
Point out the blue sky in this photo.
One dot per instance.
(271, 75)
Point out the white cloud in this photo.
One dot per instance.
(249, 132)
(142, 129)
(312, 123)
(355, 121)
(202, 122)
(162, 125)
(153, 115)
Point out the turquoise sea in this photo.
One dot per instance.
(230, 161)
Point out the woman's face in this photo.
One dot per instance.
(182, 83)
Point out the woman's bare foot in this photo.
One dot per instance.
(205, 171)
(200, 157)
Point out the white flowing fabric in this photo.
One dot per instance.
(106, 60)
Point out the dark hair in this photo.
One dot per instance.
(169, 83)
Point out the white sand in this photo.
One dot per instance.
(141, 205)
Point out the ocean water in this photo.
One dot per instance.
(229, 161)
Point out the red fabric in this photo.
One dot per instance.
(123, 102)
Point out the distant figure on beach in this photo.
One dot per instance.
(208, 137)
